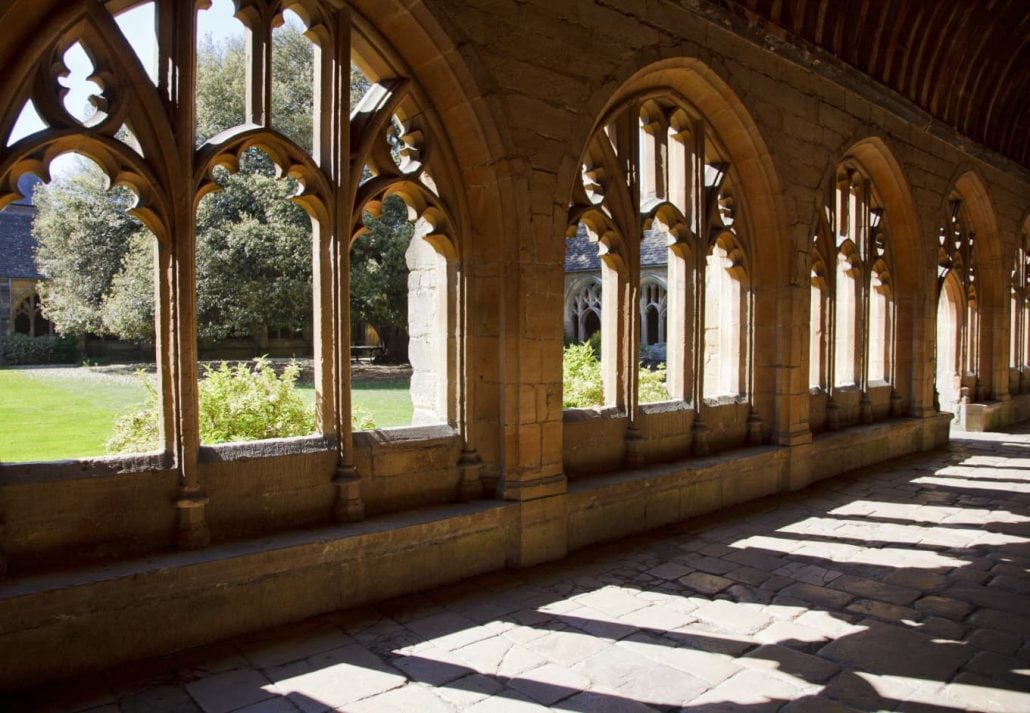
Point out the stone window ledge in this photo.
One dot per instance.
(658, 407)
(245, 450)
(406, 435)
(83, 468)
(592, 414)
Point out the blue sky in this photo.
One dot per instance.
(138, 26)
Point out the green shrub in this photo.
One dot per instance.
(241, 403)
(17, 348)
(361, 418)
(651, 385)
(582, 384)
(244, 404)
(581, 377)
(137, 431)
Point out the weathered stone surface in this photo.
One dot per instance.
(883, 648)
(601, 632)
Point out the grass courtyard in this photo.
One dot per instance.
(59, 413)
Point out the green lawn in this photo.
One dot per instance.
(387, 402)
(59, 417)
(52, 417)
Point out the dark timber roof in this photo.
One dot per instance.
(965, 62)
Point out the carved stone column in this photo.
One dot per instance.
(470, 486)
(634, 457)
(896, 404)
(700, 445)
(832, 415)
(754, 428)
(865, 408)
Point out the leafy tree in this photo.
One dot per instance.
(253, 243)
(221, 72)
(359, 85)
(379, 277)
(253, 254)
(127, 310)
(82, 234)
(293, 83)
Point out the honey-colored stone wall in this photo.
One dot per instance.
(515, 90)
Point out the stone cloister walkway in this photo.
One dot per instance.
(902, 587)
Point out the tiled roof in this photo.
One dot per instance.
(16, 242)
(581, 254)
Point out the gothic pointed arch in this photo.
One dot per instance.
(868, 205)
(750, 196)
(969, 229)
(407, 133)
(673, 153)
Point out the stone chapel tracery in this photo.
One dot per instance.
(853, 317)
(141, 132)
(655, 170)
(1019, 309)
(958, 318)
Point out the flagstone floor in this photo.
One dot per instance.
(903, 587)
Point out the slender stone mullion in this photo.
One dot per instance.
(324, 124)
(699, 435)
(177, 36)
(629, 147)
(258, 80)
(349, 504)
(470, 465)
(865, 294)
(700, 206)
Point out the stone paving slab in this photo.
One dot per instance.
(900, 587)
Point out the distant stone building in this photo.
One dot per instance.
(583, 288)
(19, 276)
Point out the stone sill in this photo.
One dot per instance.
(404, 436)
(571, 415)
(84, 468)
(268, 448)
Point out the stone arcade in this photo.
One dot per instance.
(818, 179)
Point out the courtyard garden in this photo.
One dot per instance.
(59, 412)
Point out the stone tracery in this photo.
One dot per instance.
(169, 177)
(697, 174)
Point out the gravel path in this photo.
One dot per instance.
(124, 373)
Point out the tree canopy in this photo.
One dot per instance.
(253, 254)
(379, 276)
(253, 243)
(83, 233)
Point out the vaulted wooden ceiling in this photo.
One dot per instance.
(966, 62)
